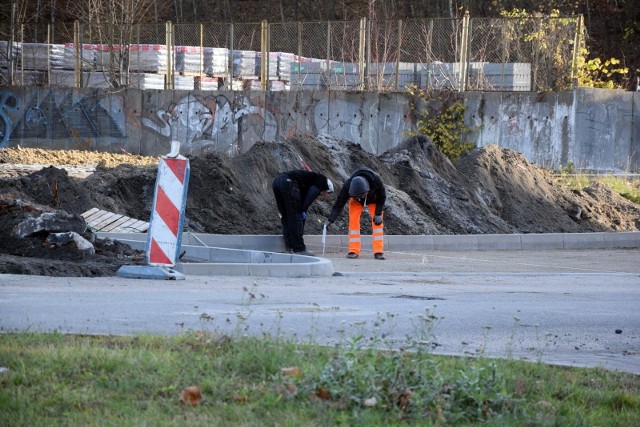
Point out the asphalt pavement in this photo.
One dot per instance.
(568, 307)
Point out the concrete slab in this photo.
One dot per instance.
(148, 272)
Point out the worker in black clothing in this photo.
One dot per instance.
(363, 189)
(295, 191)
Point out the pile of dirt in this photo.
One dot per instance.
(489, 190)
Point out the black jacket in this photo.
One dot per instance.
(377, 193)
(311, 184)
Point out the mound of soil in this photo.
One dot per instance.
(489, 190)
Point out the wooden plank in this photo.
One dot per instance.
(90, 212)
(116, 224)
(124, 226)
(135, 225)
(96, 217)
(101, 220)
(106, 220)
(140, 226)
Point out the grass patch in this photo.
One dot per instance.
(629, 188)
(54, 379)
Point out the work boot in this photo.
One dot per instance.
(305, 252)
(378, 255)
(352, 255)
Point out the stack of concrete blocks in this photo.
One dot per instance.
(207, 83)
(307, 74)
(34, 56)
(514, 76)
(272, 85)
(85, 55)
(189, 60)
(382, 75)
(246, 65)
(98, 79)
(440, 75)
(278, 85)
(56, 56)
(238, 84)
(342, 75)
(284, 65)
(147, 81)
(251, 85)
(150, 58)
(23, 77)
(183, 82)
(65, 78)
(204, 68)
(246, 69)
(8, 56)
(272, 65)
(32, 62)
(216, 61)
(480, 75)
(110, 58)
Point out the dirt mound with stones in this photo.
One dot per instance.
(489, 190)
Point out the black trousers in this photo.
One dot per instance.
(288, 200)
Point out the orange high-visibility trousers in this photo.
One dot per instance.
(355, 242)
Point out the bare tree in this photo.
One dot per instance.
(111, 25)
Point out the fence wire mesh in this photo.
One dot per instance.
(521, 54)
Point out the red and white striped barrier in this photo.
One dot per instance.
(167, 216)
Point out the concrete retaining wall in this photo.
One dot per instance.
(592, 128)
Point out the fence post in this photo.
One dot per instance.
(464, 53)
(229, 85)
(49, 41)
(21, 55)
(201, 52)
(398, 52)
(576, 52)
(264, 55)
(429, 65)
(299, 50)
(328, 67)
(168, 84)
(361, 53)
(12, 31)
(77, 74)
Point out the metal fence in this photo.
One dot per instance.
(511, 54)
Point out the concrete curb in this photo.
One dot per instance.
(206, 260)
(467, 242)
(260, 255)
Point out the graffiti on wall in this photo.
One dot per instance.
(43, 117)
(213, 123)
(8, 104)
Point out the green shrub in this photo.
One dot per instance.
(440, 117)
